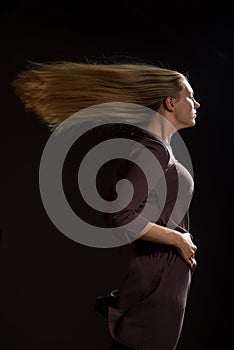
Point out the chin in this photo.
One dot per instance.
(193, 121)
(187, 125)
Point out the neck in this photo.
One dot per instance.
(162, 128)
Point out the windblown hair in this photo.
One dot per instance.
(56, 90)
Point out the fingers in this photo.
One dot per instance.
(194, 249)
(194, 265)
(187, 250)
(192, 261)
(192, 255)
(191, 258)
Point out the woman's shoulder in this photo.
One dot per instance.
(141, 139)
(146, 138)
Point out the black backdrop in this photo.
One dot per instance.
(48, 283)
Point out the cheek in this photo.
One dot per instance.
(188, 106)
(191, 104)
(185, 110)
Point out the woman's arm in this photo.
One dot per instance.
(145, 229)
(181, 241)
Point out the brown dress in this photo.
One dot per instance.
(149, 310)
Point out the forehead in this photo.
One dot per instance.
(187, 88)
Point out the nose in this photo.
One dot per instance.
(196, 104)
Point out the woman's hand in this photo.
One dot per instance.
(186, 247)
(182, 241)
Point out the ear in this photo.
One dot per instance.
(168, 104)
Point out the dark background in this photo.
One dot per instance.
(48, 283)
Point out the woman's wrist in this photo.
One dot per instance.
(163, 235)
(174, 237)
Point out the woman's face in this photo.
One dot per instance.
(185, 107)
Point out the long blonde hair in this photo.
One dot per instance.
(56, 90)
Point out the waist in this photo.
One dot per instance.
(142, 247)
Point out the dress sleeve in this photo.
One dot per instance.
(137, 176)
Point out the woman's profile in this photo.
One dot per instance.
(150, 304)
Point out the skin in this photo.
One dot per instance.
(181, 112)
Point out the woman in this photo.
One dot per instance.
(150, 303)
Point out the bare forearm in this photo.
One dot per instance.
(162, 235)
